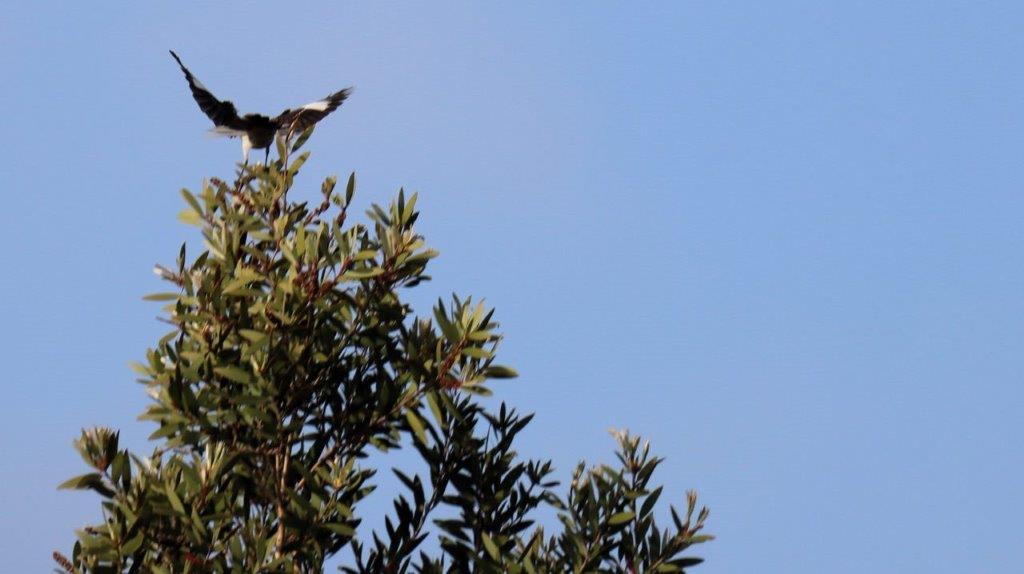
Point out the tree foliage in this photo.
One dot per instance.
(291, 357)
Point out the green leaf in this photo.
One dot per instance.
(140, 369)
(190, 217)
(302, 139)
(257, 414)
(342, 529)
(364, 255)
(172, 497)
(328, 185)
(362, 273)
(253, 336)
(120, 469)
(165, 430)
(90, 481)
(410, 207)
(298, 162)
(449, 330)
(477, 353)
(620, 518)
(435, 409)
(490, 546)
(132, 545)
(282, 150)
(416, 423)
(500, 372)
(233, 373)
(350, 188)
(650, 501)
(162, 297)
(191, 200)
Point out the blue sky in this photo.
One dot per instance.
(781, 240)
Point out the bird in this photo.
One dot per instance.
(256, 130)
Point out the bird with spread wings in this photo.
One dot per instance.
(256, 130)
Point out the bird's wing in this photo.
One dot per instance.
(223, 113)
(297, 120)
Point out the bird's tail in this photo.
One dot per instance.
(224, 132)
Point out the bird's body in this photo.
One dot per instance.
(258, 131)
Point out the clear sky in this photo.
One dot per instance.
(782, 240)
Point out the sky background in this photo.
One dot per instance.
(781, 240)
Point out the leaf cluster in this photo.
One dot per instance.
(290, 357)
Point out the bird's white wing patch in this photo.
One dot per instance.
(224, 132)
(319, 106)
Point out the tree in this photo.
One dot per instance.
(291, 357)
